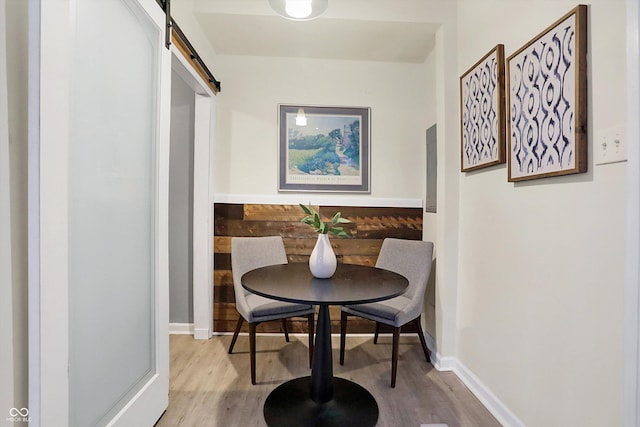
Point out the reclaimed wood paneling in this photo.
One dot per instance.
(368, 228)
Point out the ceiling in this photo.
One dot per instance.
(366, 30)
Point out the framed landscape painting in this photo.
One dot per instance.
(482, 128)
(547, 101)
(324, 148)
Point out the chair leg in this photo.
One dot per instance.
(310, 320)
(343, 334)
(375, 336)
(426, 351)
(235, 334)
(394, 356)
(284, 328)
(252, 351)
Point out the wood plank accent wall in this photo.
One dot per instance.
(368, 228)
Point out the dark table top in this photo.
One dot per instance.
(351, 284)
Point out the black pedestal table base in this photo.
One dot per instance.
(322, 400)
(290, 405)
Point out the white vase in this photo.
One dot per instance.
(322, 262)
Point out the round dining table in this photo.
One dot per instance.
(322, 399)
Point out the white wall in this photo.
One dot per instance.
(447, 218)
(6, 281)
(529, 295)
(181, 202)
(16, 48)
(540, 288)
(429, 220)
(431, 118)
(182, 13)
(631, 352)
(247, 136)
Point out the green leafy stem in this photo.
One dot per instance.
(312, 218)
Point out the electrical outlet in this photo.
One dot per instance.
(610, 146)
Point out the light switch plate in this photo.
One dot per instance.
(610, 146)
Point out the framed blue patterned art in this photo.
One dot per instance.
(482, 129)
(547, 101)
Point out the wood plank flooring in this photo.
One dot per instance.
(209, 387)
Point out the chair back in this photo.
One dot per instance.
(248, 253)
(412, 259)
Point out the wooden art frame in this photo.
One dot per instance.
(331, 153)
(482, 116)
(547, 101)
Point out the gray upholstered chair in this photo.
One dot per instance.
(412, 259)
(248, 253)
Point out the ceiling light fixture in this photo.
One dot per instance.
(299, 10)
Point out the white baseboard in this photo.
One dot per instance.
(444, 363)
(490, 401)
(189, 329)
(180, 328)
(201, 333)
(494, 405)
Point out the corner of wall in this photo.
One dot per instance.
(495, 406)
(448, 187)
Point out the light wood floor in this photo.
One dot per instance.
(209, 387)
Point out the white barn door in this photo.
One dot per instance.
(98, 189)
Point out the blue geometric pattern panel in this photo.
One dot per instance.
(542, 97)
(480, 113)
